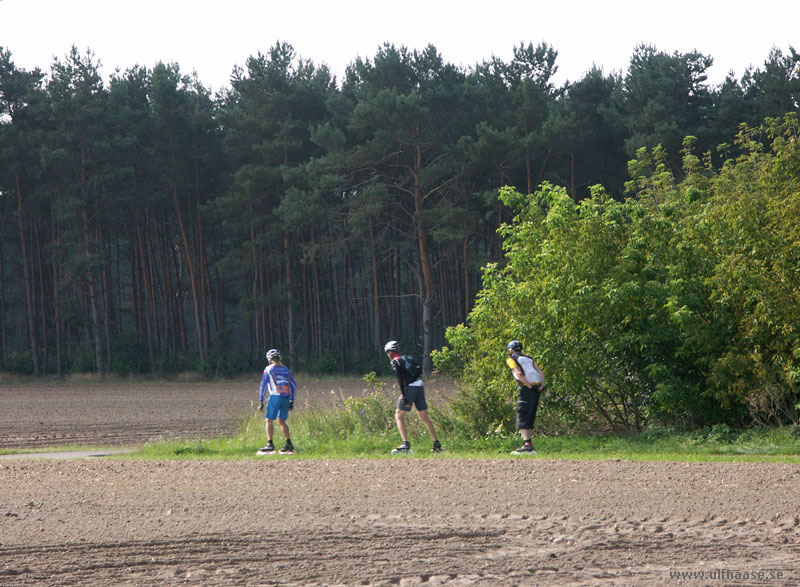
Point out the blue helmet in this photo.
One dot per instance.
(515, 346)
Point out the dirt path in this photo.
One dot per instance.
(406, 521)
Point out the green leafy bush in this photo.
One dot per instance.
(677, 306)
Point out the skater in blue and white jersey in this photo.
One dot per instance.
(278, 380)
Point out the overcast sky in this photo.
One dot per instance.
(213, 37)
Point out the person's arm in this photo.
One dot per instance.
(293, 387)
(401, 380)
(262, 391)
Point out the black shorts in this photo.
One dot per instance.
(415, 394)
(527, 405)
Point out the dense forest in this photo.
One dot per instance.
(148, 226)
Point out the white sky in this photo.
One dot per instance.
(212, 37)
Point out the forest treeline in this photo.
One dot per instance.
(150, 226)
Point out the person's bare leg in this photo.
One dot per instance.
(423, 415)
(284, 428)
(269, 430)
(399, 417)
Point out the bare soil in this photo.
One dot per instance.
(402, 521)
(111, 413)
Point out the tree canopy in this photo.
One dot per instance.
(149, 226)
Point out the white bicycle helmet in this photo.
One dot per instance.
(273, 354)
(391, 346)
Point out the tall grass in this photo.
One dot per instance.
(365, 428)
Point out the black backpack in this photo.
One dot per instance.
(411, 367)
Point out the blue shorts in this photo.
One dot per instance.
(277, 407)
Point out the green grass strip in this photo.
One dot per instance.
(365, 429)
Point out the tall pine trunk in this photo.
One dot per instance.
(376, 307)
(193, 281)
(145, 287)
(289, 301)
(203, 284)
(427, 274)
(28, 279)
(42, 296)
(94, 312)
(3, 332)
(56, 306)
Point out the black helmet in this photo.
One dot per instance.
(515, 346)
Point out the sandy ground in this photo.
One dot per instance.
(403, 521)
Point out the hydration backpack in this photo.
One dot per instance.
(411, 367)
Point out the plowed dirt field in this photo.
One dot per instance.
(403, 521)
